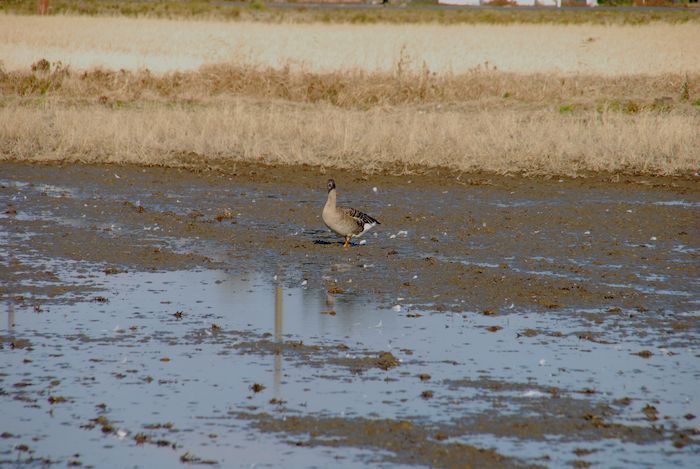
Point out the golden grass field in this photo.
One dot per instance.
(401, 140)
(165, 45)
(542, 99)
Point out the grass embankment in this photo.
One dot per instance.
(412, 13)
(537, 99)
(479, 121)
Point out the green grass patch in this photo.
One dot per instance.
(566, 109)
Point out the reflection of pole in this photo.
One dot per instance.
(278, 313)
(278, 338)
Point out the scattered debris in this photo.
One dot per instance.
(256, 387)
(386, 360)
(225, 214)
(113, 271)
(651, 413)
(190, 458)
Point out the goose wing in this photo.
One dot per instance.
(361, 218)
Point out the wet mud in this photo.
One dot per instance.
(206, 316)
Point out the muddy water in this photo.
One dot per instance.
(156, 316)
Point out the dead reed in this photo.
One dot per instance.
(399, 139)
(354, 89)
(548, 113)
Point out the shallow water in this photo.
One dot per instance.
(127, 305)
(106, 352)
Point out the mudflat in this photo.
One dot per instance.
(207, 316)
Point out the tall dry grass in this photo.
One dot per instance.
(398, 98)
(397, 138)
(177, 45)
(355, 89)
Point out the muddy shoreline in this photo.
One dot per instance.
(485, 315)
(458, 250)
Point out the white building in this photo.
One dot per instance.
(523, 3)
(471, 3)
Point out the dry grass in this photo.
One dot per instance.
(398, 139)
(399, 99)
(356, 89)
(162, 46)
(412, 13)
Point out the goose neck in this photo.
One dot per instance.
(331, 199)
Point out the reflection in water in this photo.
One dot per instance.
(278, 338)
(330, 300)
(278, 313)
(10, 317)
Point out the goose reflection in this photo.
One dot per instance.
(330, 300)
(10, 318)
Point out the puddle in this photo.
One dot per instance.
(140, 326)
(159, 342)
(679, 203)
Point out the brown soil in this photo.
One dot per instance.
(472, 244)
(443, 224)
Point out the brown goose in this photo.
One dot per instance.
(347, 222)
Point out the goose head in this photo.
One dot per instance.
(331, 185)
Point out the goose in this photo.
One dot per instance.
(347, 222)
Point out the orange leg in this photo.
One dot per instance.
(347, 240)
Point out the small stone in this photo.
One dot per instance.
(256, 387)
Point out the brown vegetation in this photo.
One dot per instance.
(400, 139)
(356, 89)
(490, 121)
(401, 116)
